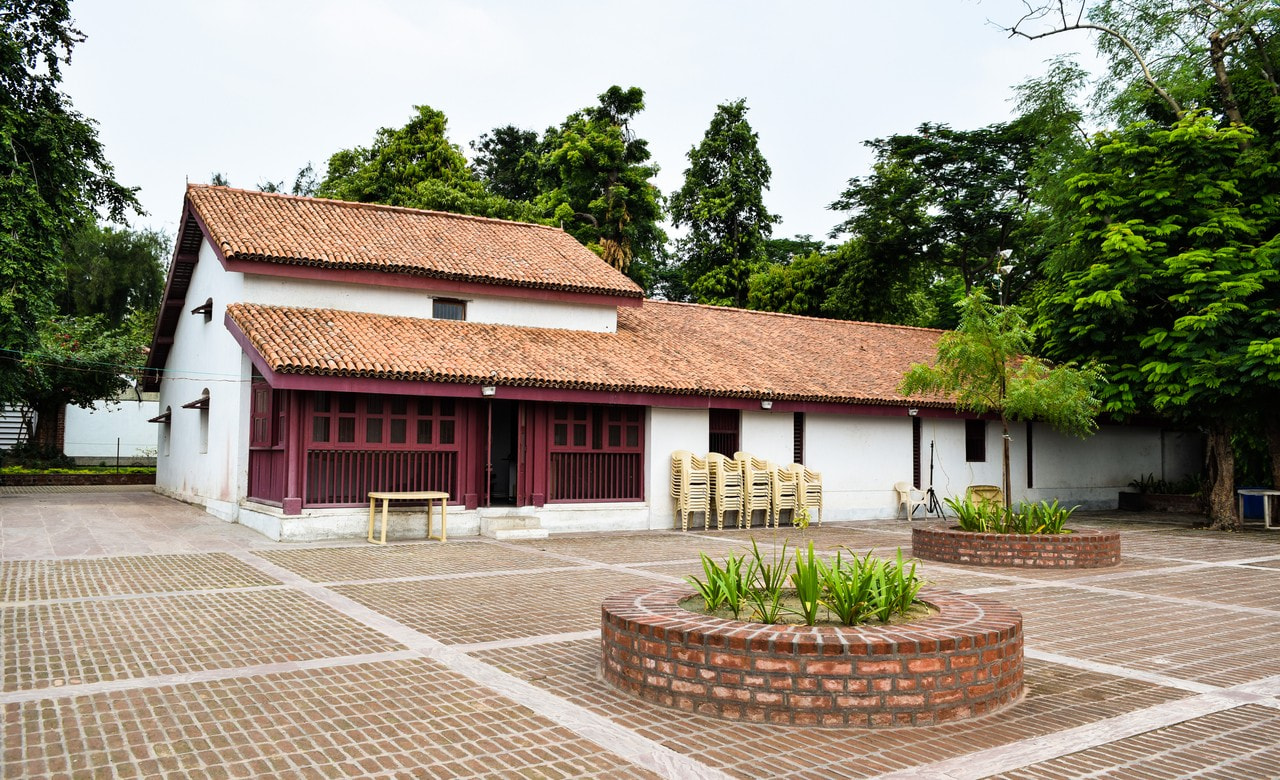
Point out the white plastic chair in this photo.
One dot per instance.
(726, 487)
(810, 490)
(907, 499)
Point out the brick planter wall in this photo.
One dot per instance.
(1085, 549)
(28, 480)
(962, 662)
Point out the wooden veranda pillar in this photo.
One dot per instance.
(294, 462)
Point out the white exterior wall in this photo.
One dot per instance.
(1092, 472)
(407, 302)
(859, 458)
(205, 356)
(669, 430)
(952, 474)
(766, 435)
(94, 432)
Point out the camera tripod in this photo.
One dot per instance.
(933, 506)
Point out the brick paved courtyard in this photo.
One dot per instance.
(140, 637)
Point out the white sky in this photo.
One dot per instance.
(257, 88)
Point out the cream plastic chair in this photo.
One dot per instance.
(726, 487)
(785, 493)
(809, 490)
(909, 498)
(690, 486)
(984, 494)
(757, 492)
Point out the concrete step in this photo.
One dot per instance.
(511, 534)
(512, 527)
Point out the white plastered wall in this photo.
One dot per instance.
(859, 457)
(206, 356)
(95, 432)
(767, 435)
(670, 430)
(409, 302)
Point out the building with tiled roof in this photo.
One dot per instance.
(311, 351)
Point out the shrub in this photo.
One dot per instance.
(1041, 518)
(849, 591)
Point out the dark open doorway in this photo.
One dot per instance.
(504, 447)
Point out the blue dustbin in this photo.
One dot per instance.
(1252, 506)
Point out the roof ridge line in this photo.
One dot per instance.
(372, 206)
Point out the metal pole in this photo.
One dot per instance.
(117, 454)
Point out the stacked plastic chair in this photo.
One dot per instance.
(726, 487)
(785, 493)
(690, 486)
(757, 486)
(809, 490)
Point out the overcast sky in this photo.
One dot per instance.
(258, 88)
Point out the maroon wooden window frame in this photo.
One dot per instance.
(595, 453)
(350, 421)
(357, 443)
(725, 431)
(975, 441)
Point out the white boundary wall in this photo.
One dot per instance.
(93, 433)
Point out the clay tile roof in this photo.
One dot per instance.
(660, 347)
(273, 228)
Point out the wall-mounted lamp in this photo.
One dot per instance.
(766, 404)
(912, 412)
(488, 391)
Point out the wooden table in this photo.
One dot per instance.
(423, 495)
(1266, 504)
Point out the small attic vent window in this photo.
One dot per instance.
(448, 309)
(206, 309)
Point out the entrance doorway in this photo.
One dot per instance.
(504, 448)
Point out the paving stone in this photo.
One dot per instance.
(408, 718)
(1057, 698)
(1203, 545)
(1240, 743)
(167, 645)
(1150, 635)
(34, 580)
(633, 548)
(487, 609)
(1234, 585)
(51, 645)
(371, 562)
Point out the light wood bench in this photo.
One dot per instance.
(429, 496)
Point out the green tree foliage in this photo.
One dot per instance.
(77, 360)
(115, 273)
(53, 175)
(986, 365)
(798, 287)
(507, 161)
(596, 182)
(937, 202)
(415, 166)
(1172, 278)
(1166, 57)
(722, 203)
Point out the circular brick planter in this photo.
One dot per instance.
(964, 661)
(1085, 549)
